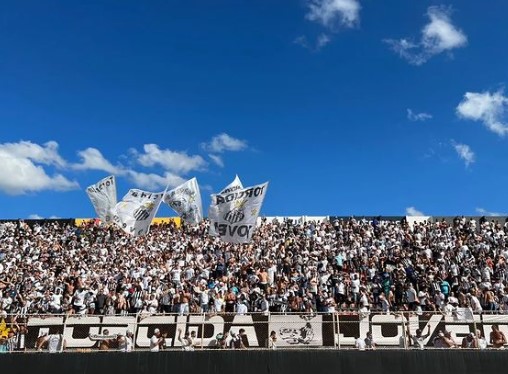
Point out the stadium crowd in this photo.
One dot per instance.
(343, 265)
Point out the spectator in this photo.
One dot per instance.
(418, 340)
(360, 344)
(55, 343)
(188, 340)
(369, 341)
(272, 340)
(470, 341)
(157, 341)
(297, 266)
(126, 342)
(497, 337)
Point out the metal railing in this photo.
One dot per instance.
(215, 331)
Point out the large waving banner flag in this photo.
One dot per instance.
(233, 186)
(235, 213)
(103, 197)
(136, 210)
(212, 213)
(186, 201)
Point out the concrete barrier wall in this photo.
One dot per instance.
(260, 362)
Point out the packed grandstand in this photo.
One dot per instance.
(298, 265)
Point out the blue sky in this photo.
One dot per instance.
(345, 106)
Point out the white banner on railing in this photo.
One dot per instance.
(322, 330)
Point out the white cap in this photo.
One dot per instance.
(156, 331)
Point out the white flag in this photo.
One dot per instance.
(233, 186)
(186, 201)
(136, 210)
(103, 197)
(236, 213)
(212, 211)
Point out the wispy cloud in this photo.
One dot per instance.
(439, 35)
(464, 152)
(152, 181)
(485, 212)
(334, 13)
(178, 162)
(24, 163)
(35, 216)
(415, 117)
(224, 142)
(412, 211)
(92, 159)
(217, 160)
(486, 107)
(321, 41)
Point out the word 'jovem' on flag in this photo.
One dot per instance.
(235, 214)
(235, 185)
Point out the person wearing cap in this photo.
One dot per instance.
(444, 340)
(470, 341)
(157, 341)
(126, 342)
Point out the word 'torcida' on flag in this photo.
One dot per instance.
(212, 213)
(233, 186)
(103, 197)
(186, 201)
(135, 212)
(235, 213)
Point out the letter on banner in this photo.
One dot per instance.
(213, 214)
(235, 213)
(103, 197)
(136, 210)
(186, 201)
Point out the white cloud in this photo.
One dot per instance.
(464, 152)
(322, 40)
(92, 159)
(485, 212)
(303, 42)
(412, 211)
(333, 13)
(179, 162)
(48, 154)
(217, 160)
(412, 116)
(438, 36)
(486, 107)
(151, 181)
(36, 216)
(22, 172)
(224, 142)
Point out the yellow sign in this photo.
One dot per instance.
(156, 221)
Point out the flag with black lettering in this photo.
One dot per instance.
(186, 201)
(236, 213)
(212, 212)
(233, 186)
(136, 210)
(103, 197)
